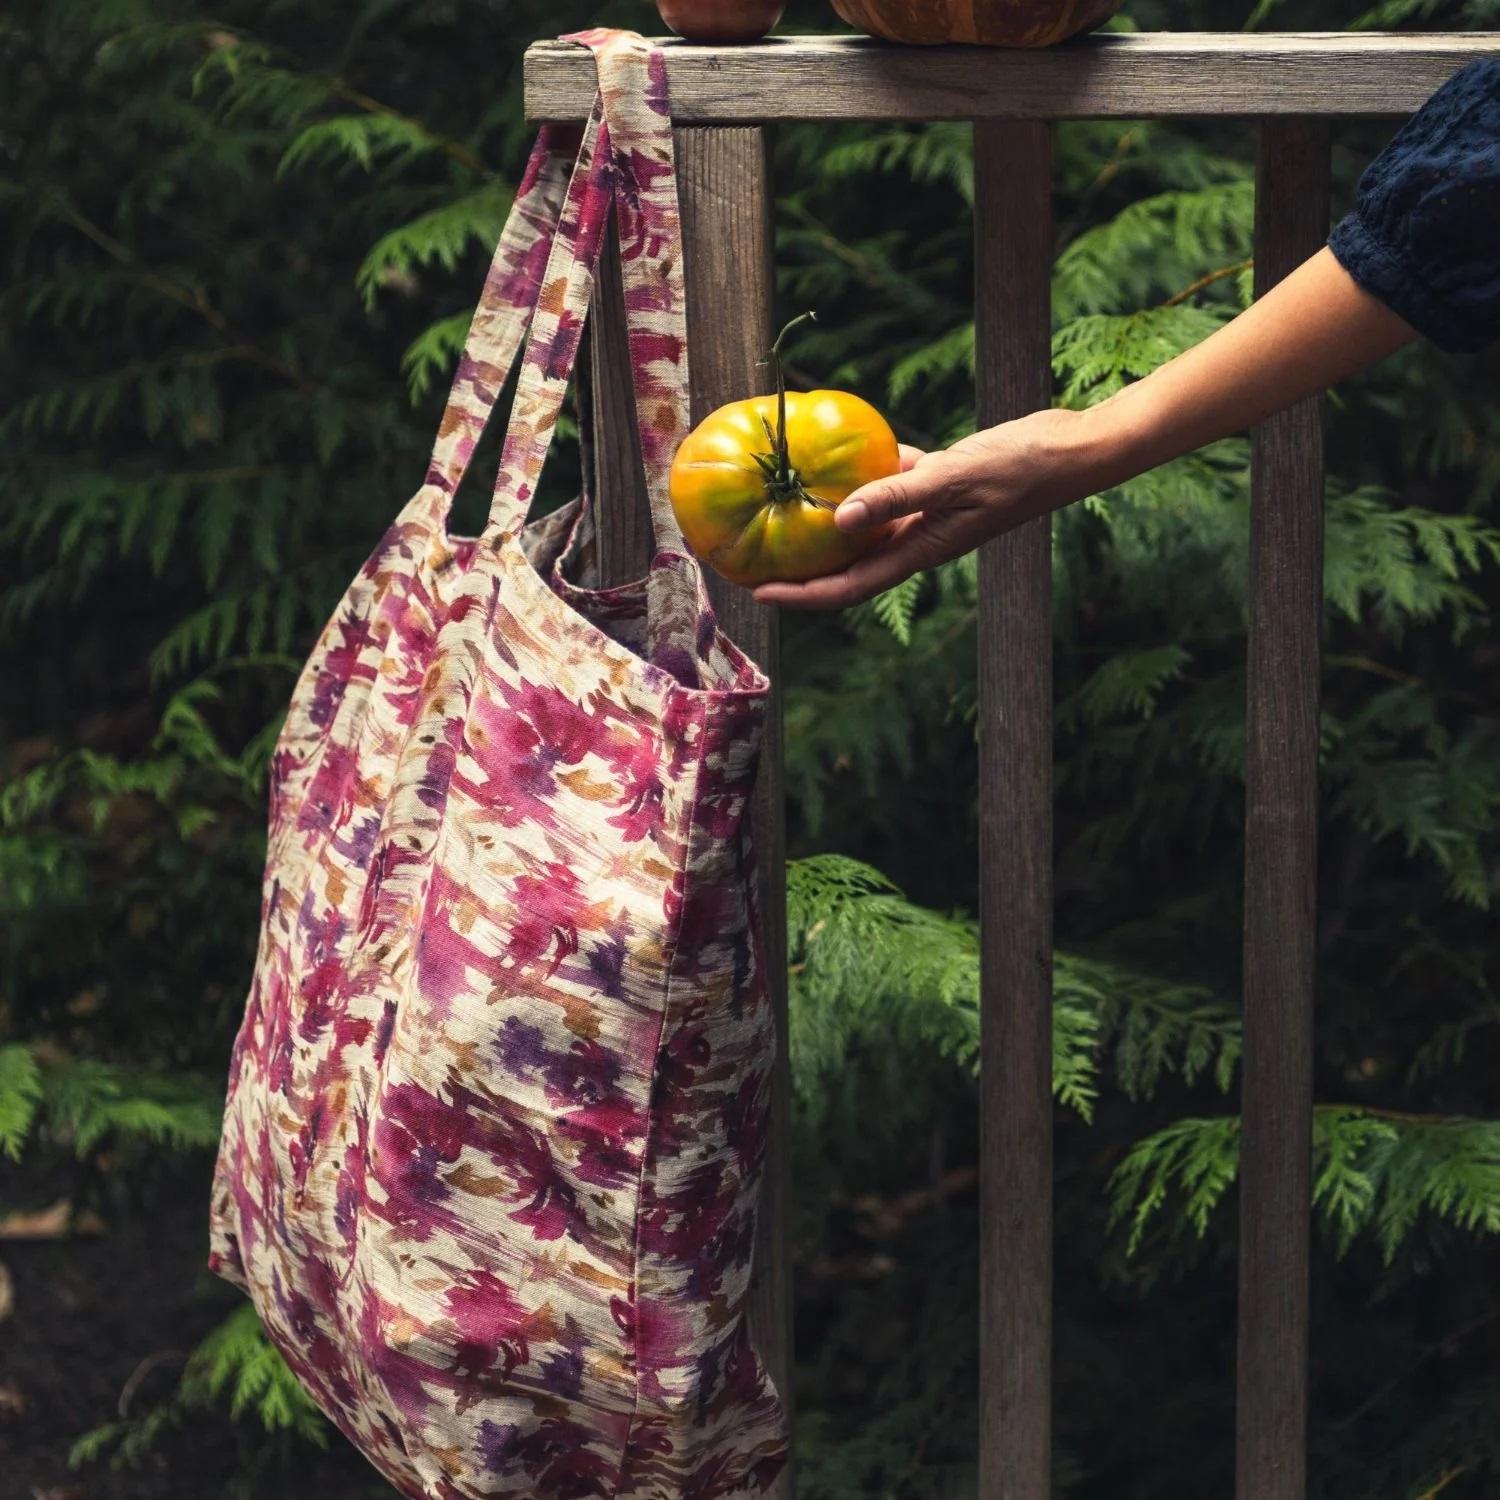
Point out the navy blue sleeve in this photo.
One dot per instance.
(1424, 236)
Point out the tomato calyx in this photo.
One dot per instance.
(782, 481)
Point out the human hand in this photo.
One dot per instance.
(946, 503)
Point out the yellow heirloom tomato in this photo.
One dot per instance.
(755, 484)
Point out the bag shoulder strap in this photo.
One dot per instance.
(503, 313)
(634, 168)
(633, 84)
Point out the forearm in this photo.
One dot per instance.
(1309, 332)
(1305, 334)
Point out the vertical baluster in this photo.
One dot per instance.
(1013, 252)
(621, 513)
(1281, 833)
(725, 183)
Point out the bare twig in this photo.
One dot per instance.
(138, 1375)
(1383, 1390)
(1444, 1480)
(1407, 679)
(1203, 281)
(450, 148)
(195, 299)
(887, 1216)
(1106, 174)
(1403, 1116)
(225, 36)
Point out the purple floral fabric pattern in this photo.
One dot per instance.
(497, 1109)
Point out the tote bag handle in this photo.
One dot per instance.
(505, 305)
(542, 278)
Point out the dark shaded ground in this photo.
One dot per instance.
(97, 1317)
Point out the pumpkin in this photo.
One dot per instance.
(990, 23)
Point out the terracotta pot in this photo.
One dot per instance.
(990, 23)
(721, 20)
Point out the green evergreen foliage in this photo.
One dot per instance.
(241, 247)
(1376, 1171)
(236, 1368)
(870, 969)
(86, 1104)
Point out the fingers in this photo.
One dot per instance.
(910, 455)
(909, 550)
(917, 488)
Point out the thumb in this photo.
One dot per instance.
(882, 500)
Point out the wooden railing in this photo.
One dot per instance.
(1287, 86)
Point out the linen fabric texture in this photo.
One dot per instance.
(498, 1107)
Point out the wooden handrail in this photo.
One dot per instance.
(1114, 75)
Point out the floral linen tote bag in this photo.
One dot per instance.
(497, 1110)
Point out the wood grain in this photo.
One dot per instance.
(1281, 857)
(1013, 251)
(724, 180)
(1118, 75)
(621, 510)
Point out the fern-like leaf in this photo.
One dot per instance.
(440, 237)
(896, 607)
(20, 1097)
(360, 141)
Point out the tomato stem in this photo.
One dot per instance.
(784, 482)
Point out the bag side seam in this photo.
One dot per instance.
(674, 946)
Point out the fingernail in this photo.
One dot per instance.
(852, 514)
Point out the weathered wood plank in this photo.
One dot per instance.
(1281, 856)
(1013, 251)
(724, 178)
(1120, 75)
(622, 513)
